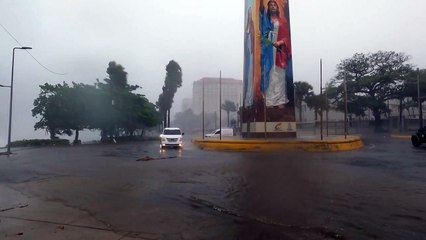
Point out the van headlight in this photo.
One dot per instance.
(163, 139)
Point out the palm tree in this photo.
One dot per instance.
(314, 102)
(172, 82)
(229, 106)
(302, 90)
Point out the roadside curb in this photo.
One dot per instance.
(401, 136)
(352, 143)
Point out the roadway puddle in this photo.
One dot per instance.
(327, 233)
(148, 158)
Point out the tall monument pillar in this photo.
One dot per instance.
(268, 92)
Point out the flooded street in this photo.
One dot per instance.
(136, 191)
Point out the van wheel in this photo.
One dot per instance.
(415, 141)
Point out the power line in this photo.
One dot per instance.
(16, 40)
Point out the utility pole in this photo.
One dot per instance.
(419, 100)
(326, 108)
(346, 107)
(321, 101)
(220, 104)
(203, 106)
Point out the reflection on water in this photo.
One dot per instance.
(193, 194)
(167, 152)
(297, 196)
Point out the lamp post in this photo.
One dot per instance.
(220, 104)
(11, 98)
(203, 110)
(419, 100)
(346, 106)
(321, 102)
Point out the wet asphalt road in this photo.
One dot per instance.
(136, 191)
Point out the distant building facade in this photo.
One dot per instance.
(186, 104)
(231, 91)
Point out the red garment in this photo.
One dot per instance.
(283, 51)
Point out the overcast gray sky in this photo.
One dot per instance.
(80, 37)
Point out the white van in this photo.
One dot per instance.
(226, 132)
(171, 137)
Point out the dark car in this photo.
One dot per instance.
(419, 137)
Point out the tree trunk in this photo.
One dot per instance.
(400, 114)
(421, 114)
(377, 119)
(104, 135)
(227, 112)
(76, 136)
(111, 132)
(168, 118)
(165, 119)
(52, 134)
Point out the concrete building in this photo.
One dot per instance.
(186, 104)
(231, 90)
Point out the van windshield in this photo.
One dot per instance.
(171, 132)
(216, 132)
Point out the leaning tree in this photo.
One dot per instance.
(172, 82)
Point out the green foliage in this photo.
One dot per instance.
(314, 102)
(122, 111)
(411, 85)
(150, 117)
(172, 82)
(40, 142)
(109, 106)
(302, 90)
(117, 80)
(228, 107)
(62, 108)
(372, 79)
(136, 112)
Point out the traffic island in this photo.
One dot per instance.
(400, 136)
(329, 144)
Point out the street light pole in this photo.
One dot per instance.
(203, 107)
(321, 101)
(11, 98)
(326, 108)
(346, 107)
(220, 104)
(419, 100)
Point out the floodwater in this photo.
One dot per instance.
(138, 191)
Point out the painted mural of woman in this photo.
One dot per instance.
(275, 54)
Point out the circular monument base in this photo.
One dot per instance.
(329, 144)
